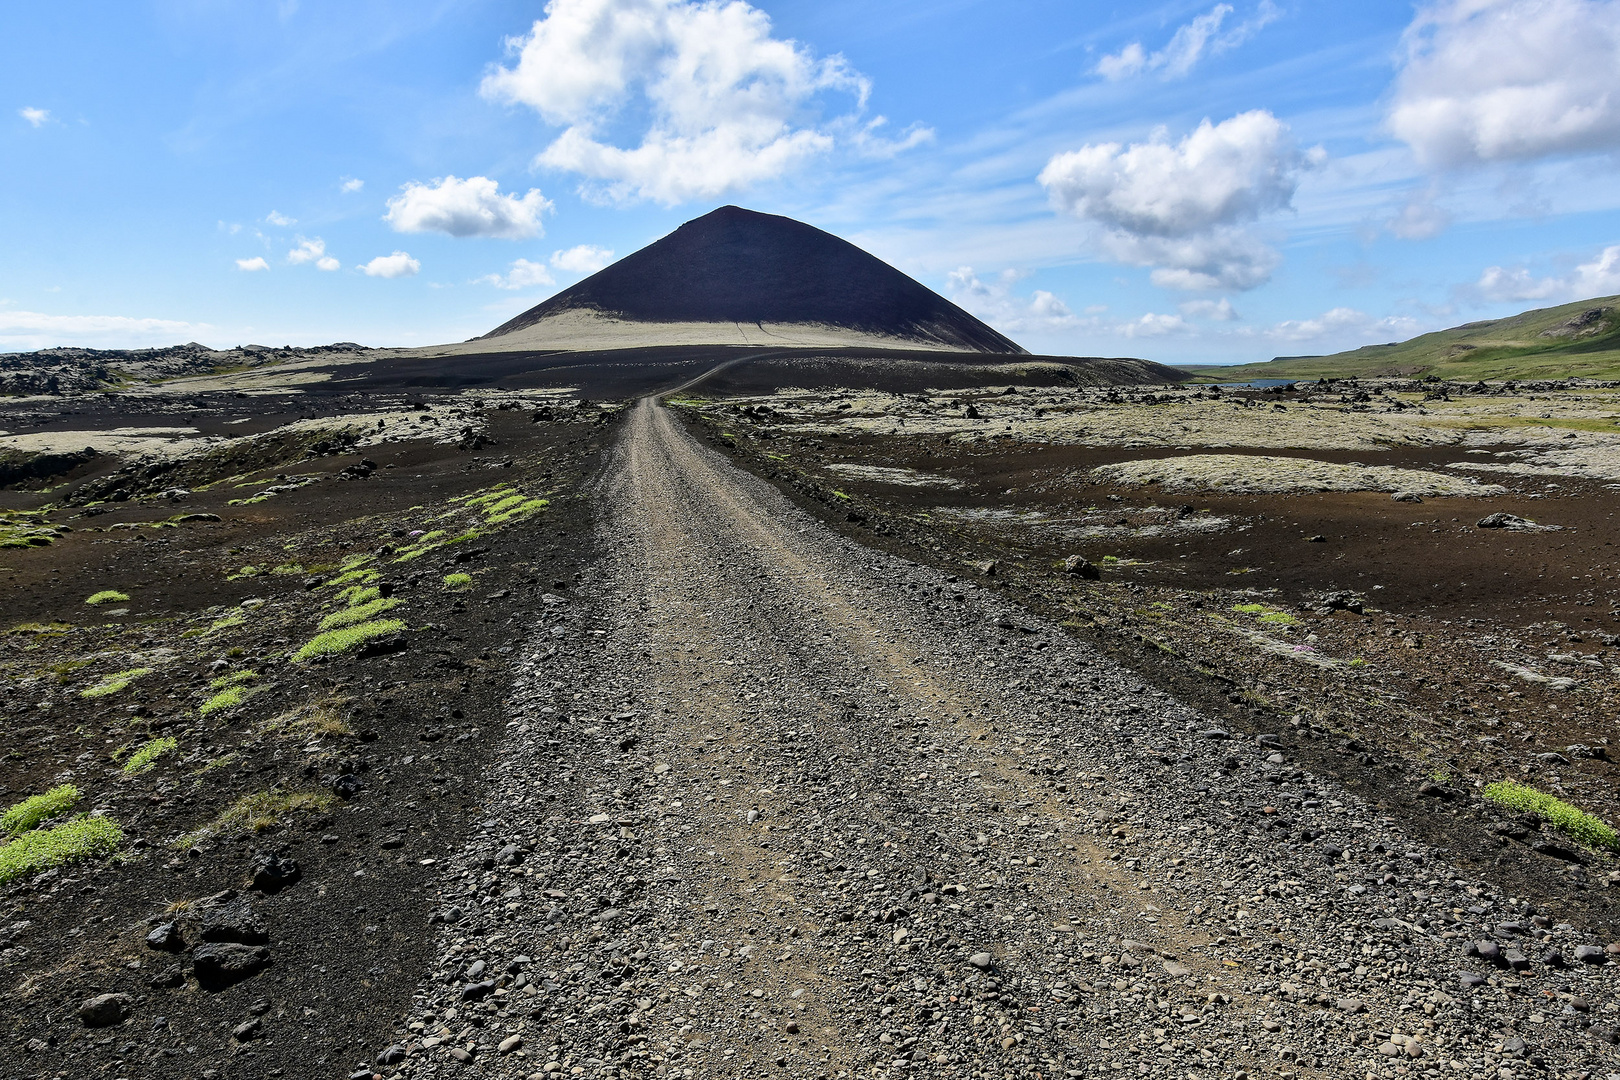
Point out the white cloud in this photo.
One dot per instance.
(36, 117)
(995, 303)
(1600, 277)
(1181, 207)
(307, 251)
(582, 259)
(1192, 42)
(1342, 324)
(1509, 80)
(399, 264)
(255, 263)
(523, 275)
(279, 220)
(470, 207)
(1215, 310)
(716, 102)
(350, 185)
(1421, 218)
(328, 264)
(26, 330)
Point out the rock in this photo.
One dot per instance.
(1350, 1005)
(1079, 566)
(1214, 733)
(1590, 954)
(347, 786)
(1468, 980)
(460, 1055)
(272, 873)
(476, 971)
(510, 855)
(1407, 497)
(220, 965)
(1515, 959)
(981, 960)
(511, 1043)
(165, 937)
(392, 1055)
(234, 921)
(478, 991)
(105, 1010)
(247, 1030)
(987, 567)
(1488, 951)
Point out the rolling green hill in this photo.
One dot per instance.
(1580, 339)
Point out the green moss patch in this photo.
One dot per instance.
(336, 641)
(1577, 824)
(457, 581)
(107, 596)
(352, 615)
(112, 684)
(260, 811)
(36, 808)
(82, 837)
(144, 759)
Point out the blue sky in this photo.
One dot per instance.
(1190, 182)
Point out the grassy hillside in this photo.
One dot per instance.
(1579, 339)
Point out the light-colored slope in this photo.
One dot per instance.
(588, 331)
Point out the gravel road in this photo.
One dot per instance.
(773, 804)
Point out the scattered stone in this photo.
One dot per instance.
(165, 937)
(272, 872)
(1079, 566)
(105, 1010)
(234, 921)
(247, 1030)
(220, 965)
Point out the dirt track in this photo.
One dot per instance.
(772, 803)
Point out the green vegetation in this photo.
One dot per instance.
(1248, 609)
(457, 581)
(235, 618)
(358, 614)
(144, 759)
(260, 811)
(25, 529)
(36, 808)
(236, 678)
(112, 684)
(107, 596)
(1577, 824)
(1573, 340)
(82, 837)
(1266, 615)
(336, 641)
(228, 698)
(355, 595)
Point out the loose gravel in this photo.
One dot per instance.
(771, 803)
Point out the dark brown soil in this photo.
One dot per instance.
(395, 740)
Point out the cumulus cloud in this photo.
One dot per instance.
(35, 117)
(1191, 42)
(1182, 207)
(1215, 310)
(397, 265)
(1343, 323)
(524, 274)
(312, 250)
(1153, 325)
(255, 263)
(350, 185)
(581, 259)
(1509, 80)
(279, 220)
(716, 102)
(994, 302)
(1599, 277)
(26, 330)
(470, 207)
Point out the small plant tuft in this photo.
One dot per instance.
(82, 837)
(259, 812)
(359, 613)
(111, 684)
(457, 581)
(36, 808)
(1577, 824)
(336, 641)
(107, 596)
(146, 757)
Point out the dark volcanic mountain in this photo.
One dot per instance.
(735, 266)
